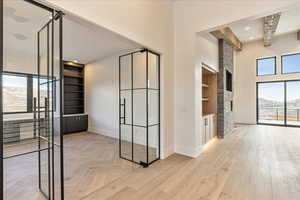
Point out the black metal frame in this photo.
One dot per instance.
(122, 119)
(56, 15)
(285, 103)
(275, 66)
(1, 111)
(286, 55)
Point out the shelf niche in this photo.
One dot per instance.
(209, 91)
(73, 88)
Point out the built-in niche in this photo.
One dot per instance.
(209, 104)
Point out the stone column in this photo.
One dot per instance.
(225, 97)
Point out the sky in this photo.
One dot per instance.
(275, 90)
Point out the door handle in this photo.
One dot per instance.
(124, 110)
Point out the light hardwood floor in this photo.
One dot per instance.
(253, 163)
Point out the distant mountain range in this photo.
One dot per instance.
(266, 103)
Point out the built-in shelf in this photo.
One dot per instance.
(209, 92)
(73, 88)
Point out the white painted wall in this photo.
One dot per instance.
(245, 69)
(101, 96)
(102, 93)
(207, 51)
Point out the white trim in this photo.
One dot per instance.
(190, 152)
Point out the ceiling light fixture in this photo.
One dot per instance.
(251, 38)
(75, 61)
(247, 28)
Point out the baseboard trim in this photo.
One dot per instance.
(107, 133)
(190, 152)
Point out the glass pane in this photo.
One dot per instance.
(153, 69)
(271, 103)
(153, 142)
(42, 103)
(153, 108)
(125, 72)
(126, 142)
(21, 178)
(291, 63)
(139, 144)
(126, 121)
(14, 93)
(139, 70)
(125, 107)
(266, 66)
(139, 107)
(58, 140)
(293, 103)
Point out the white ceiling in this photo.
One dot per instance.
(82, 41)
(250, 30)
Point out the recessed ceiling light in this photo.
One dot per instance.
(20, 19)
(247, 28)
(50, 17)
(75, 61)
(251, 38)
(20, 36)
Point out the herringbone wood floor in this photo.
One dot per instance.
(253, 163)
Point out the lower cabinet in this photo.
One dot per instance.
(75, 123)
(208, 128)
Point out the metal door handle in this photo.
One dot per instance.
(124, 110)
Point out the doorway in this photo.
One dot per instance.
(139, 107)
(278, 103)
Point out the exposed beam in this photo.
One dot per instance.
(270, 26)
(229, 36)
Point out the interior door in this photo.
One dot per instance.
(49, 108)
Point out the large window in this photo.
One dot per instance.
(290, 63)
(266, 66)
(278, 103)
(19, 90)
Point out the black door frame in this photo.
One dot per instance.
(56, 15)
(285, 103)
(122, 105)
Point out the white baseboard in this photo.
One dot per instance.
(107, 133)
(189, 151)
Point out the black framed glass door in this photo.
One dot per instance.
(33, 166)
(49, 108)
(139, 107)
(278, 103)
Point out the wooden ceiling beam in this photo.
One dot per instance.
(229, 36)
(270, 26)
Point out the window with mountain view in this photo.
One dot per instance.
(266, 66)
(270, 99)
(20, 90)
(290, 63)
(14, 93)
(278, 103)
